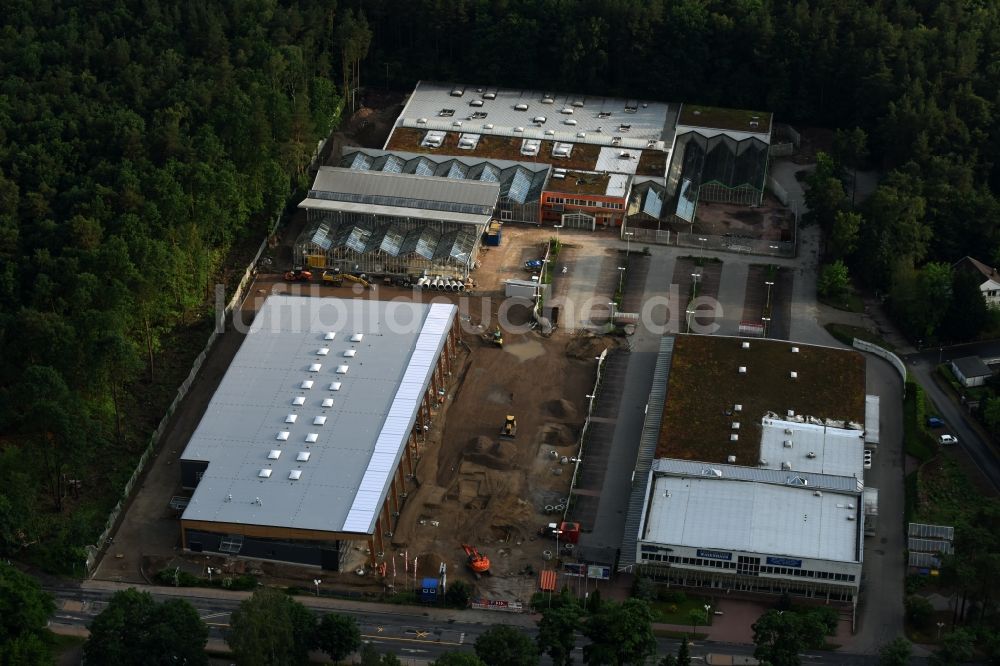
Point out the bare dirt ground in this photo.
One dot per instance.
(767, 222)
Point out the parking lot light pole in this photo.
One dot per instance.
(628, 238)
(621, 278)
(704, 241)
(769, 284)
(316, 582)
(690, 313)
(766, 320)
(612, 319)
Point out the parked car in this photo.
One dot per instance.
(934, 422)
(533, 265)
(947, 440)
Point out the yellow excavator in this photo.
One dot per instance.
(509, 430)
(337, 279)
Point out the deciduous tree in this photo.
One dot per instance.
(620, 634)
(338, 636)
(270, 629)
(504, 645)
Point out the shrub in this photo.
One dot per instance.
(919, 611)
(671, 596)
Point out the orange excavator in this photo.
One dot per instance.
(478, 563)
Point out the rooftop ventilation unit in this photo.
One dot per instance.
(745, 345)
(793, 375)
(303, 456)
(319, 420)
(604, 115)
(811, 455)
(559, 176)
(295, 475)
(322, 351)
(568, 110)
(791, 413)
(521, 107)
(786, 466)
(538, 120)
(788, 431)
(762, 462)
(457, 123)
(335, 386)
(298, 400)
(711, 471)
(457, 92)
(818, 493)
(743, 369)
(737, 407)
(421, 121)
(488, 126)
(850, 516)
(342, 370)
(350, 353)
(569, 121)
(328, 402)
(446, 113)
(282, 436)
(307, 384)
(736, 425)
(795, 350)
(291, 418)
(731, 460)
(264, 473)
(550, 132)
(581, 135)
(548, 98)
(475, 102)
(578, 103)
(734, 437)
(274, 454)
(312, 437)
(850, 506)
(490, 95)
(518, 129)
(315, 367)
(787, 443)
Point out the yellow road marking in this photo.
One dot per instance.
(408, 640)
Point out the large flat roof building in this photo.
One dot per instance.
(303, 444)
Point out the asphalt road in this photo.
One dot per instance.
(415, 635)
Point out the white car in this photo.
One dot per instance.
(868, 458)
(947, 440)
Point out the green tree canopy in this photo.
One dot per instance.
(895, 653)
(135, 629)
(271, 629)
(503, 645)
(557, 631)
(458, 659)
(620, 634)
(338, 636)
(781, 635)
(24, 613)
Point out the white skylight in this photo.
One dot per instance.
(323, 351)
(328, 402)
(341, 370)
(330, 336)
(315, 367)
(303, 456)
(274, 454)
(351, 353)
(291, 418)
(312, 437)
(307, 384)
(357, 337)
(282, 436)
(264, 473)
(298, 400)
(295, 474)
(319, 420)
(335, 386)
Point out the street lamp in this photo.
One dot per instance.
(209, 574)
(316, 582)
(628, 238)
(703, 242)
(612, 320)
(940, 626)
(690, 313)
(766, 320)
(769, 284)
(621, 278)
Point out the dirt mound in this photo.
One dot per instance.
(561, 409)
(428, 564)
(557, 434)
(587, 346)
(505, 450)
(491, 454)
(480, 444)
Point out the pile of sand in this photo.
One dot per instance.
(561, 409)
(489, 453)
(557, 434)
(587, 346)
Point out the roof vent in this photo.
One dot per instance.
(335, 386)
(312, 437)
(315, 367)
(581, 135)
(793, 374)
(743, 369)
(298, 400)
(850, 506)
(786, 465)
(328, 402)
(788, 431)
(488, 126)
(736, 425)
(303, 456)
(795, 350)
(538, 120)
(341, 370)
(791, 413)
(518, 129)
(357, 337)
(811, 455)
(521, 107)
(319, 420)
(282, 436)
(264, 473)
(569, 121)
(274, 454)
(737, 407)
(550, 132)
(711, 471)
(568, 110)
(457, 123)
(745, 345)
(350, 353)
(323, 351)
(731, 460)
(787, 443)
(457, 92)
(307, 384)
(818, 493)
(850, 516)
(291, 418)
(734, 437)
(547, 98)
(421, 121)
(294, 475)
(762, 462)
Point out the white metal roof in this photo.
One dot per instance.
(726, 514)
(345, 462)
(814, 448)
(871, 418)
(396, 211)
(618, 160)
(635, 123)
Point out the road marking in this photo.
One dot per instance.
(408, 640)
(461, 638)
(379, 630)
(211, 615)
(422, 634)
(412, 650)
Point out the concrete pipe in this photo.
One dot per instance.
(559, 507)
(546, 555)
(461, 286)
(549, 508)
(449, 285)
(422, 282)
(436, 284)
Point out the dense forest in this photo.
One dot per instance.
(140, 140)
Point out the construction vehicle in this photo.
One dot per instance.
(509, 430)
(298, 274)
(332, 279)
(360, 279)
(498, 337)
(478, 563)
